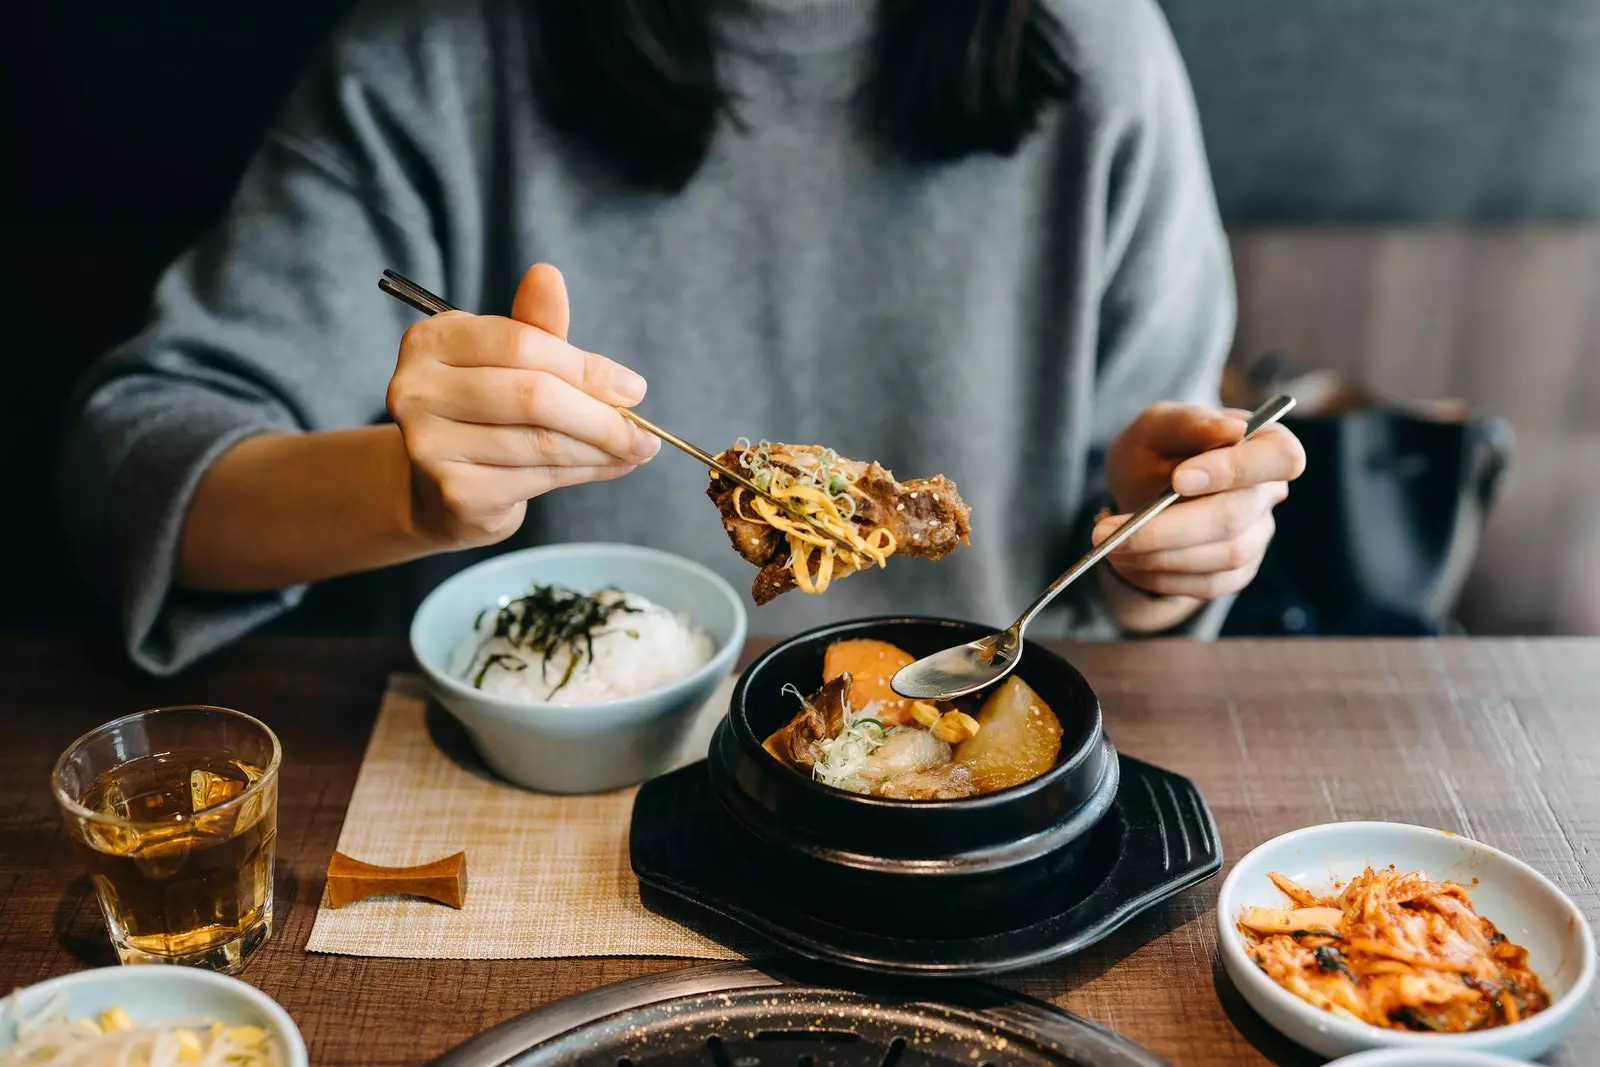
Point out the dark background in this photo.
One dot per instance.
(1411, 187)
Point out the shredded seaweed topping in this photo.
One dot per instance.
(499, 659)
(545, 621)
(1330, 959)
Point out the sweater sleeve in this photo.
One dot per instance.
(1166, 303)
(270, 323)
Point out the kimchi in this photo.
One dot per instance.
(1395, 950)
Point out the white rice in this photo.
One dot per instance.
(634, 652)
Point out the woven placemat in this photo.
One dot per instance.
(547, 876)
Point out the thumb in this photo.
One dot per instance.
(542, 300)
(1184, 430)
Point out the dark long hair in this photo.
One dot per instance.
(636, 82)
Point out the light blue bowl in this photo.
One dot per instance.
(153, 993)
(580, 748)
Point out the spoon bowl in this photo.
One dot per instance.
(961, 669)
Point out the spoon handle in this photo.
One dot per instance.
(1266, 415)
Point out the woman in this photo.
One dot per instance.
(973, 237)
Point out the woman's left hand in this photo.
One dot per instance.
(1212, 542)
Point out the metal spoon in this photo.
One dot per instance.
(964, 669)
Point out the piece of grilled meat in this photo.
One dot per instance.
(819, 718)
(911, 764)
(927, 516)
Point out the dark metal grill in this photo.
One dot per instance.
(734, 1015)
(793, 1028)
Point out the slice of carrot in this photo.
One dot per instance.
(870, 665)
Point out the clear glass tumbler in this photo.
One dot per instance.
(175, 813)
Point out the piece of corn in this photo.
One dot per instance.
(113, 1019)
(955, 727)
(247, 1036)
(924, 713)
(189, 1047)
(87, 1024)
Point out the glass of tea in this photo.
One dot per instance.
(175, 813)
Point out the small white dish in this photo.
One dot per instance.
(1522, 903)
(154, 993)
(579, 748)
(1421, 1057)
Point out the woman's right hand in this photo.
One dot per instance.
(495, 411)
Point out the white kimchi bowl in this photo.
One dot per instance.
(1421, 1057)
(1522, 903)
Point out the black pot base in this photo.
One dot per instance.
(695, 863)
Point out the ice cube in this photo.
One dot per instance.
(207, 790)
(112, 801)
(251, 771)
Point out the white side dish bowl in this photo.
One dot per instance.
(1421, 1057)
(153, 993)
(1522, 903)
(589, 747)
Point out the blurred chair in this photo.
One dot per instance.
(1413, 190)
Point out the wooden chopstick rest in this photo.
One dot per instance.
(444, 881)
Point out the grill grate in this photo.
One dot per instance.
(794, 1028)
(736, 1015)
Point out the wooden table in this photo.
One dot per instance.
(1498, 740)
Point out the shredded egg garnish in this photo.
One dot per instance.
(819, 492)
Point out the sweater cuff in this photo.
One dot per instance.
(167, 628)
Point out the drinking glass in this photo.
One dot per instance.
(175, 813)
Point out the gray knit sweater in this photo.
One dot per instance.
(994, 320)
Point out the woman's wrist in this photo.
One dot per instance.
(1127, 583)
(1140, 612)
(281, 510)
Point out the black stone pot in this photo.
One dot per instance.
(980, 861)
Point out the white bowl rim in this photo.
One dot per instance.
(715, 665)
(1232, 945)
(280, 1019)
(1410, 1055)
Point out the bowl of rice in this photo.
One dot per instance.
(579, 668)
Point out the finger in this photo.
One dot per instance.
(561, 477)
(1181, 430)
(1273, 455)
(504, 397)
(1199, 586)
(1242, 551)
(508, 446)
(1201, 521)
(469, 489)
(541, 301)
(492, 341)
